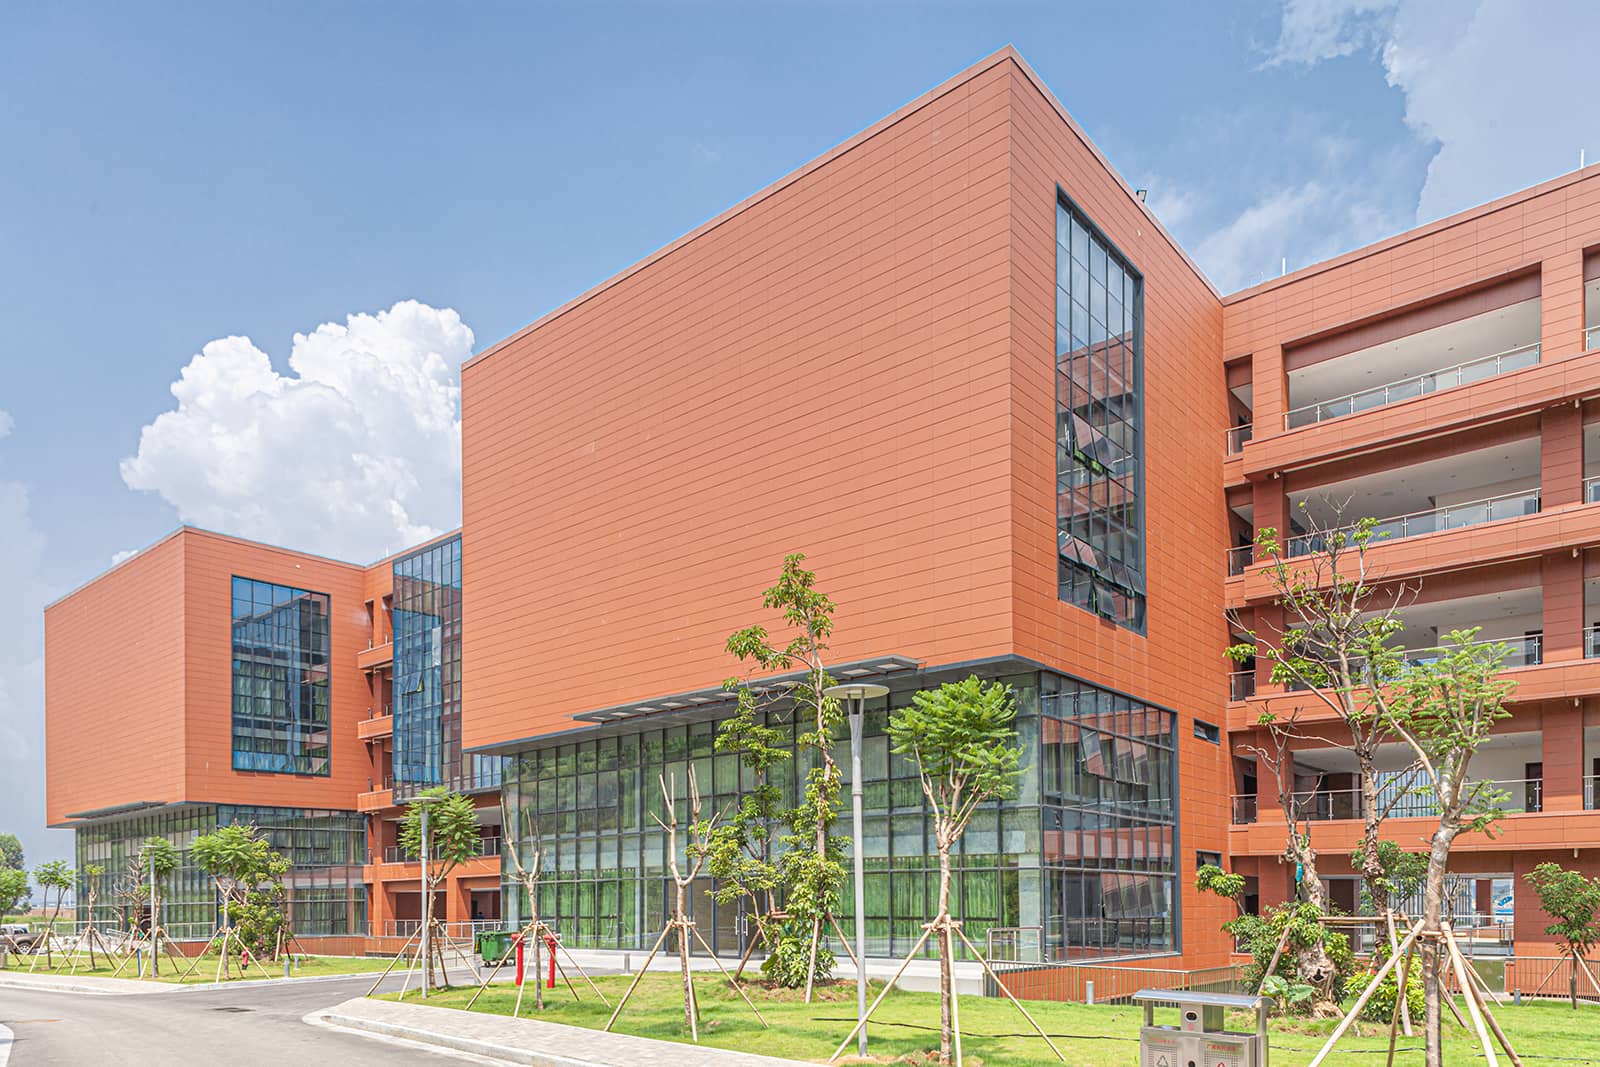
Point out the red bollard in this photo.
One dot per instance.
(519, 959)
(550, 943)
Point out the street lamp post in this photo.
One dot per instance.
(858, 694)
(423, 803)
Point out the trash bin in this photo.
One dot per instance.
(494, 944)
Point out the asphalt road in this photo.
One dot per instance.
(254, 1026)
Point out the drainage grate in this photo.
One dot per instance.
(232, 1008)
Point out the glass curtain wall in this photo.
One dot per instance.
(427, 677)
(606, 884)
(280, 679)
(326, 850)
(1099, 417)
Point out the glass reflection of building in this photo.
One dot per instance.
(281, 718)
(1082, 860)
(1099, 417)
(326, 894)
(427, 677)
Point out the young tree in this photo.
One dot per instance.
(740, 855)
(58, 876)
(452, 841)
(13, 890)
(1573, 901)
(90, 874)
(812, 864)
(158, 860)
(10, 852)
(240, 863)
(1445, 710)
(699, 832)
(961, 737)
(1335, 645)
(1401, 873)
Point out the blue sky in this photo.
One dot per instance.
(171, 176)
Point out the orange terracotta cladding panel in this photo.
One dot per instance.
(856, 364)
(114, 683)
(826, 370)
(138, 684)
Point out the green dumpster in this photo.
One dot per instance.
(494, 944)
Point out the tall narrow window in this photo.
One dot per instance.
(281, 719)
(1099, 417)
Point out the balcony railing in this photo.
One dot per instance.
(1240, 558)
(1244, 809)
(1450, 517)
(1238, 437)
(1418, 385)
(1241, 685)
(487, 846)
(1526, 651)
(1327, 805)
(1591, 792)
(1591, 338)
(1591, 490)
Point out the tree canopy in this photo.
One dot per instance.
(14, 891)
(1573, 901)
(11, 852)
(452, 830)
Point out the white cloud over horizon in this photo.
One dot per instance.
(354, 454)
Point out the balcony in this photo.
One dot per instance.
(487, 846)
(1238, 437)
(1591, 338)
(1451, 517)
(379, 726)
(1506, 796)
(378, 656)
(375, 799)
(1417, 385)
(1591, 793)
(1244, 809)
(1241, 685)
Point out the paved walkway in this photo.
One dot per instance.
(527, 1041)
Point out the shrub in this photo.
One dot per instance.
(1380, 1008)
(787, 964)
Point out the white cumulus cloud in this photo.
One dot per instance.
(355, 453)
(1499, 86)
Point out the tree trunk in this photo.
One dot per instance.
(683, 960)
(1432, 917)
(1312, 964)
(946, 949)
(226, 927)
(1372, 873)
(538, 950)
(427, 925)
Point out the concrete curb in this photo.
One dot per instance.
(526, 1042)
(6, 1037)
(486, 1049)
(134, 987)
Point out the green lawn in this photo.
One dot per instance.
(171, 968)
(907, 1025)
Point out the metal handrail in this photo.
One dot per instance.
(1591, 792)
(1449, 517)
(1591, 490)
(1332, 805)
(1591, 338)
(1408, 388)
(1240, 558)
(1238, 437)
(1244, 808)
(1241, 685)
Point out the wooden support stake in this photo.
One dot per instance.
(1454, 956)
(1400, 1001)
(394, 961)
(636, 978)
(863, 1020)
(1474, 995)
(1031, 1021)
(1361, 1001)
(1400, 1008)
